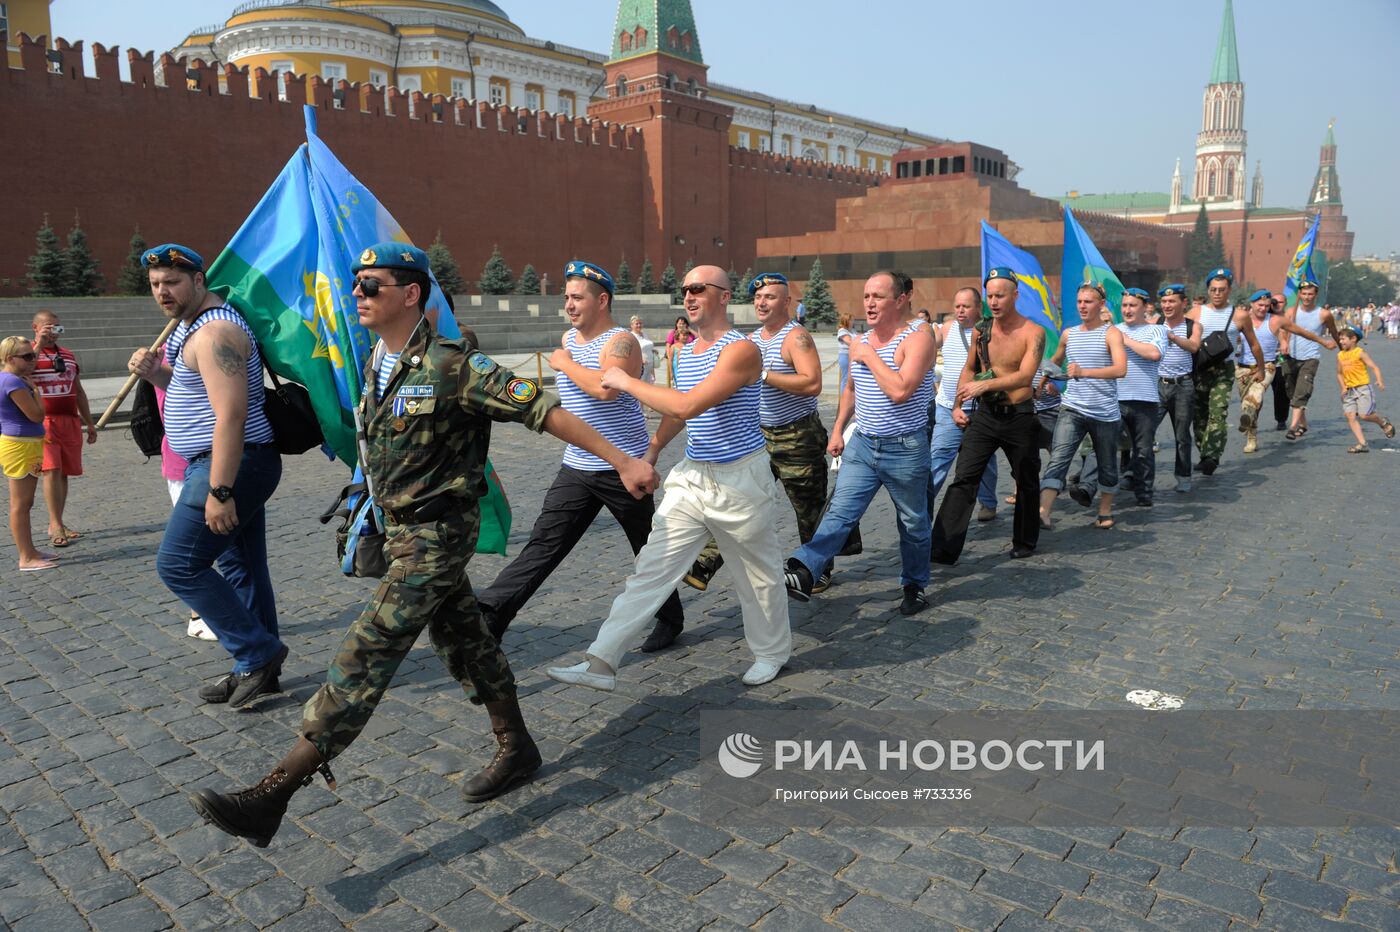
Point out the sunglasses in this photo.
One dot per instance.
(699, 287)
(29, 356)
(369, 287)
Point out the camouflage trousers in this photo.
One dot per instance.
(1252, 392)
(797, 452)
(426, 586)
(1211, 410)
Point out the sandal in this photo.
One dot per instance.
(1360, 448)
(1387, 428)
(36, 567)
(1010, 499)
(1103, 522)
(1293, 433)
(59, 540)
(1302, 429)
(71, 534)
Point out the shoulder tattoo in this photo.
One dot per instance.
(622, 347)
(230, 359)
(804, 340)
(1039, 343)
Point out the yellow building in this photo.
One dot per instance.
(471, 49)
(27, 16)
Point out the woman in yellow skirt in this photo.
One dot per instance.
(22, 445)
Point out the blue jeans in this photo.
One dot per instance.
(898, 463)
(1070, 428)
(237, 601)
(943, 449)
(843, 369)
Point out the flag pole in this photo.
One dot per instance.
(131, 380)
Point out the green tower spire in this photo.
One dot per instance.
(1227, 56)
(665, 26)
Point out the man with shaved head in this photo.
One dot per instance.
(723, 488)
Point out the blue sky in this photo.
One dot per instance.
(1087, 95)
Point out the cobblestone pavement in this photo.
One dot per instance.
(1272, 586)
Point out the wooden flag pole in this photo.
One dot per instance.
(132, 379)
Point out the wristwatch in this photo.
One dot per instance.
(764, 376)
(222, 492)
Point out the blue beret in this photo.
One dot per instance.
(1354, 332)
(393, 255)
(1261, 293)
(765, 279)
(172, 256)
(1221, 273)
(590, 273)
(1173, 288)
(1094, 286)
(1000, 271)
(1137, 293)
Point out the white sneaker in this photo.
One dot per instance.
(198, 629)
(578, 675)
(762, 671)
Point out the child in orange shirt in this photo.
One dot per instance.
(1358, 401)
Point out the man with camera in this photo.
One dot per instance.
(66, 415)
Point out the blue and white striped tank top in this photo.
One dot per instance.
(954, 359)
(1140, 384)
(1268, 342)
(1176, 362)
(1094, 398)
(620, 421)
(876, 415)
(1302, 347)
(729, 430)
(189, 418)
(385, 373)
(1213, 321)
(775, 406)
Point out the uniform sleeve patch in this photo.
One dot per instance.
(522, 391)
(480, 362)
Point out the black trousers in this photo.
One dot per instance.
(1015, 433)
(1280, 397)
(570, 506)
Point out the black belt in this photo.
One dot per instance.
(247, 446)
(1006, 410)
(425, 513)
(1174, 380)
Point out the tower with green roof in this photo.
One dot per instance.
(1325, 199)
(1220, 145)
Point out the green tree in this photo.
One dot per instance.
(743, 293)
(496, 276)
(622, 281)
(1200, 253)
(1351, 285)
(80, 276)
(734, 286)
(669, 285)
(132, 279)
(646, 283)
(816, 297)
(444, 267)
(529, 281)
(46, 268)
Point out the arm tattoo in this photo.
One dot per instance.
(622, 348)
(1039, 342)
(804, 340)
(230, 359)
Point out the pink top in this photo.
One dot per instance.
(172, 464)
(671, 338)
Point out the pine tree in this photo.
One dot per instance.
(622, 281)
(733, 285)
(444, 267)
(669, 285)
(496, 276)
(743, 293)
(529, 281)
(646, 284)
(816, 297)
(132, 279)
(80, 276)
(46, 268)
(1200, 253)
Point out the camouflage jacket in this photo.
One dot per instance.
(426, 441)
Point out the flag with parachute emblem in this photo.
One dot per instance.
(287, 271)
(1300, 268)
(1084, 263)
(1034, 299)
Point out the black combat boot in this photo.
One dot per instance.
(516, 757)
(255, 813)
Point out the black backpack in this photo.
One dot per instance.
(146, 427)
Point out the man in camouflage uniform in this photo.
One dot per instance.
(425, 425)
(787, 413)
(1211, 411)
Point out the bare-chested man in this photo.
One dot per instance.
(1001, 363)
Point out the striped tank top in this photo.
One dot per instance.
(189, 418)
(1140, 384)
(775, 406)
(385, 374)
(1093, 398)
(620, 421)
(1176, 362)
(1302, 347)
(1213, 321)
(954, 359)
(876, 415)
(728, 431)
(1268, 342)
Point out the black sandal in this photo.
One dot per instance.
(1104, 522)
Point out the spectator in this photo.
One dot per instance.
(843, 351)
(66, 414)
(648, 351)
(679, 336)
(22, 445)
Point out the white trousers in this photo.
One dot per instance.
(736, 504)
